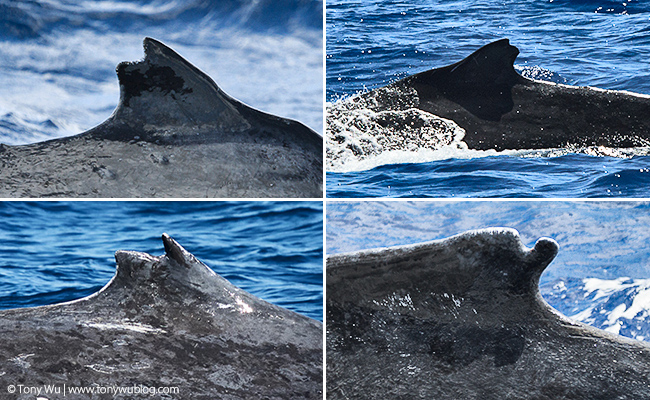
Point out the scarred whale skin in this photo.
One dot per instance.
(463, 318)
(174, 133)
(500, 109)
(166, 321)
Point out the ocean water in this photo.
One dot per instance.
(567, 176)
(597, 43)
(58, 57)
(600, 275)
(51, 252)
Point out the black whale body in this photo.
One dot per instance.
(168, 322)
(174, 133)
(462, 318)
(500, 109)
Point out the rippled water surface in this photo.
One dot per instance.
(52, 252)
(568, 176)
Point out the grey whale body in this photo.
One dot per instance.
(462, 318)
(501, 110)
(166, 321)
(174, 133)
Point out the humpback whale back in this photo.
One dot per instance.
(500, 109)
(166, 321)
(482, 266)
(463, 318)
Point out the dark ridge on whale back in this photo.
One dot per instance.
(490, 262)
(481, 83)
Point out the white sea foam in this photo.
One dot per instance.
(360, 135)
(601, 291)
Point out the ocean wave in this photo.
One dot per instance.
(32, 19)
(619, 306)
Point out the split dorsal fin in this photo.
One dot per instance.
(177, 267)
(485, 267)
(177, 279)
(481, 83)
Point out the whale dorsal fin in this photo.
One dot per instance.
(481, 83)
(163, 92)
(487, 268)
(160, 286)
(492, 63)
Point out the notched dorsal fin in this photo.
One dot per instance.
(164, 99)
(481, 83)
(492, 63)
(177, 278)
(165, 91)
(470, 265)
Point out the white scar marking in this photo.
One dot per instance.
(141, 328)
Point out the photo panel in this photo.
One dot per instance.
(483, 99)
(162, 99)
(161, 299)
(460, 300)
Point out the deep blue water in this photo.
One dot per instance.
(52, 252)
(597, 43)
(568, 176)
(602, 244)
(58, 57)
